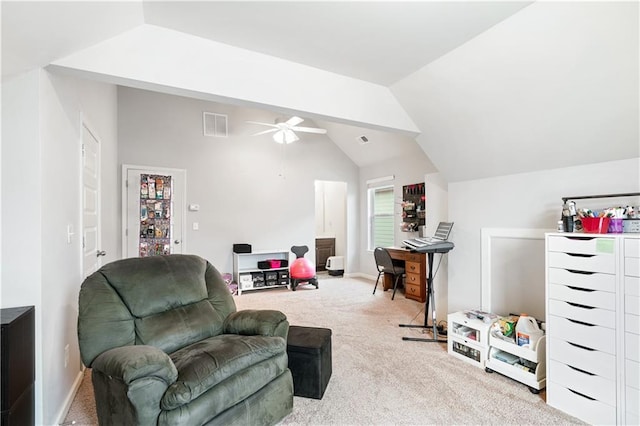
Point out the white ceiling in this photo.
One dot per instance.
(380, 42)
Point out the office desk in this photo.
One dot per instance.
(415, 265)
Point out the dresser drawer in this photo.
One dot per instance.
(588, 280)
(632, 247)
(413, 291)
(590, 314)
(632, 304)
(632, 373)
(632, 266)
(632, 400)
(412, 267)
(590, 336)
(632, 346)
(593, 298)
(593, 361)
(581, 244)
(632, 323)
(586, 409)
(587, 384)
(632, 286)
(583, 262)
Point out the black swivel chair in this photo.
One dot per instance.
(385, 265)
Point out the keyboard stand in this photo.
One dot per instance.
(430, 296)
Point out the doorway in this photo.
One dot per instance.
(331, 219)
(153, 211)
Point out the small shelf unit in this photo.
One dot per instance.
(529, 368)
(468, 338)
(247, 263)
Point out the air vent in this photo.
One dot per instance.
(363, 139)
(214, 124)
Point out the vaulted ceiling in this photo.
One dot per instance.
(375, 51)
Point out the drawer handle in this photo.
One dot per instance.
(581, 371)
(580, 255)
(580, 289)
(581, 322)
(575, 271)
(582, 395)
(577, 305)
(580, 238)
(581, 347)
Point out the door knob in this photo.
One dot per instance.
(176, 242)
(101, 253)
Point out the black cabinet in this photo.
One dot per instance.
(18, 366)
(325, 247)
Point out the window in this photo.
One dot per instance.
(381, 232)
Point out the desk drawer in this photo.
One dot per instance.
(632, 374)
(632, 304)
(583, 262)
(412, 267)
(632, 247)
(412, 291)
(591, 360)
(590, 336)
(412, 279)
(632, 286)
(632, 266)
(632, 347)
(588, 280)
(414, 257)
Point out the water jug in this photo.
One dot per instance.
(527, 332)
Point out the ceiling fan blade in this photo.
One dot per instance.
(265, 132)
(290, 136)
(262, 124)
(309, 130)
(294, 121)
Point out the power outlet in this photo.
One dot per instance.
(66, 356)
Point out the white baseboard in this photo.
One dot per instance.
(361, 275)
(62, 414)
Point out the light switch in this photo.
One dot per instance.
(194, 207)
(196, 226)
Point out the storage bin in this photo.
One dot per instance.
(595, 225)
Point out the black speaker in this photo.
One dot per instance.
(242, 248)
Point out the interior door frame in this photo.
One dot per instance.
(160, 170)
(86, 124)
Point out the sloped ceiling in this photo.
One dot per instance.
(403, 47)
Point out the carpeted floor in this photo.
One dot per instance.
(379, 379)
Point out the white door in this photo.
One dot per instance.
(140, 213)
(91, 252)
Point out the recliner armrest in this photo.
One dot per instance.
(257, 322)
(129, 383)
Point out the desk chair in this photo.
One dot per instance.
(385, 264)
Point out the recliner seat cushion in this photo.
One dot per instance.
(209, 362)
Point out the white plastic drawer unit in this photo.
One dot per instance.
(580, 406)
(591, 360)
(583, 334)
(583, 313)
(582, 279)
(588, 384)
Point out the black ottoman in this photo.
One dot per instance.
(309, 351)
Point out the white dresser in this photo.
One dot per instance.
(593, 326)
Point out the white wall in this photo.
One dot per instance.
(526, 200)
(41, 197)
(331, 213)
(249, 188)
(407, 171)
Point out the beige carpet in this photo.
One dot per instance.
(377, 377)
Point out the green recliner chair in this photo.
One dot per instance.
(167, 347)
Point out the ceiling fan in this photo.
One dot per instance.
(285, 131)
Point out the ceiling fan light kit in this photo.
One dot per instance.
(285, 131)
